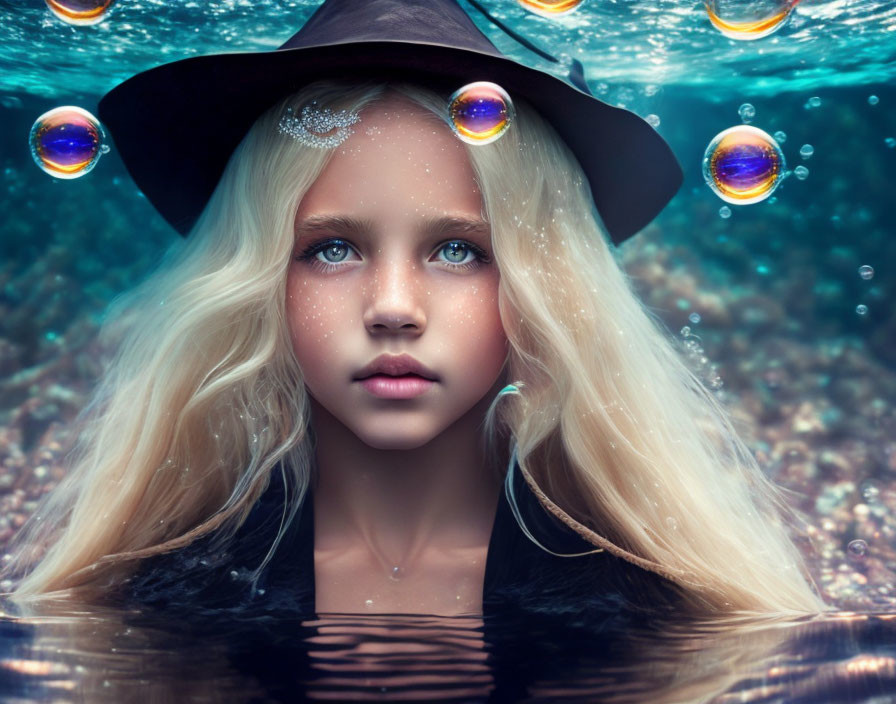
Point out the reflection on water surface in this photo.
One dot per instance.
(105, 655)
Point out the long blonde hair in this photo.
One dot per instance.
(204, 398)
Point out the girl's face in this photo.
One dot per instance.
(392, 257)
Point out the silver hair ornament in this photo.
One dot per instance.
(312, 127)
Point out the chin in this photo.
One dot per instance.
(395, 440)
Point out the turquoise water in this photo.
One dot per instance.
(774, 288)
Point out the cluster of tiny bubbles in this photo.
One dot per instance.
(813, 102)
(697, 355)
(806, 151)
(80, 12)
(873, 100)
(866, 272)
(550, 8)
(66, 142)
(736, 19)
(747, 112)
(857, 548)
(653, 120)
(862, 309)
(480, 112)
(724, 212)
(870, 491)
(801, 172)
(743, 165)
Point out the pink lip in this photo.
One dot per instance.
(407, 386)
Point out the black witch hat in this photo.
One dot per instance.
(176, 125)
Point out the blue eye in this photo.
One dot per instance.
(337, 247)
(454, 248)
(455, 252)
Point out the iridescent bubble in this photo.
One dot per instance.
(801, 172)
(724, 212)
(747, 112)
(737, 19)
(862, 309)
(66, 142)
(550, 8)
(857, 547)
(873, 100)
(80, 12)
(806, 151)
(653, 120)
(866, 272)
(780, 136)
(480, 112)
(694, 318)
(743, 165)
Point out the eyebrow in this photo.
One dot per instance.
(350, 226)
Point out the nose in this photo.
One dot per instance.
(394, 299)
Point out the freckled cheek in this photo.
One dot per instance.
(318, 320)
(473, 329)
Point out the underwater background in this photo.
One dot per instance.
(766, 297)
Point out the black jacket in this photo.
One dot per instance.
(203, 578)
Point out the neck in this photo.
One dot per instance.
(441, 495)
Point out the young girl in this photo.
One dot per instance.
(543, 441)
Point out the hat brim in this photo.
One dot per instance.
(177, 124)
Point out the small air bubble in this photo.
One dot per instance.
(857, 547)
